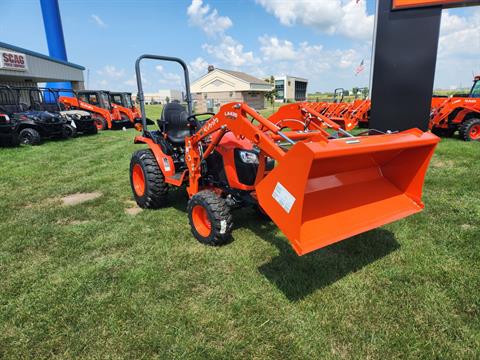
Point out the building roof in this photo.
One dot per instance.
(33, 53)
(290, 77)
(245, 77)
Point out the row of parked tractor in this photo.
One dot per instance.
(30, 115)
(460, 112)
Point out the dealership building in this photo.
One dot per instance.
(290, 88)
(26, 68)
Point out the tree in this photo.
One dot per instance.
(167, 99)
(272, 94)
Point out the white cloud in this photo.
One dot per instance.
(131, 82)
(207, 20)
(97, 20)
(172, 79)
(112, 72)
(197, 67)
(167, 77)
(230, 52)
(275, 49)
(344, 17)
(458, 49)
(305, 58)
(459, 35)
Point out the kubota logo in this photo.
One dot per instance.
(231, 115)
(210, 124)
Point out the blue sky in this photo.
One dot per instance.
(323, 40)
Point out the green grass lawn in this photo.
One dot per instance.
(92, 281)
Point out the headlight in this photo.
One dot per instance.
(248, 157)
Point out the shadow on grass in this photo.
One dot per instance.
(298, 276)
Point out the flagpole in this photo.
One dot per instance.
(372, 59)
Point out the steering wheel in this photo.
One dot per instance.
(194, 116)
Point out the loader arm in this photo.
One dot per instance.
(233, 117)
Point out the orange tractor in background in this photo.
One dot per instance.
(97, 102)
(460, 113)
(319, 187)
(123, 102)
(347, 115)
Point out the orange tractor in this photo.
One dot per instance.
(97, 102)
(318, 187)
(347, 115)
(459, 113)
(123, 102)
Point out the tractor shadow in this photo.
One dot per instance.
(299, 276)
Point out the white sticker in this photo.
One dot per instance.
(223, 226)
(73, 124)
(283, 197)
(166, 164)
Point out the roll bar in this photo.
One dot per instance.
(140, 96)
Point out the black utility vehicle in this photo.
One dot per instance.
(33, 126)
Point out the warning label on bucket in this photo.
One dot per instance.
(283, 197)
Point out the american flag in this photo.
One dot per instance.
(360, 67)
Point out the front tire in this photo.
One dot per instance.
(29, 136)
(210, 218)
(447, 133)
(147, 180)
(100, 122)
(91, 130)
(470, 130)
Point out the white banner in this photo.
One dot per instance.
(13, 61)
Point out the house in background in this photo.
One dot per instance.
(220, 86)
(290, 88)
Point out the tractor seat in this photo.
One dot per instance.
(9, 109)
(175, 120)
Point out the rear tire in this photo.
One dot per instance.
(29, 136)
(210, 218)
(69, 131)
(470, 130)
(147, 180)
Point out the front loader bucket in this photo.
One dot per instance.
(323, 192)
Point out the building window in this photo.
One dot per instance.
(289, 83)
(280, 87)
(300, 90)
